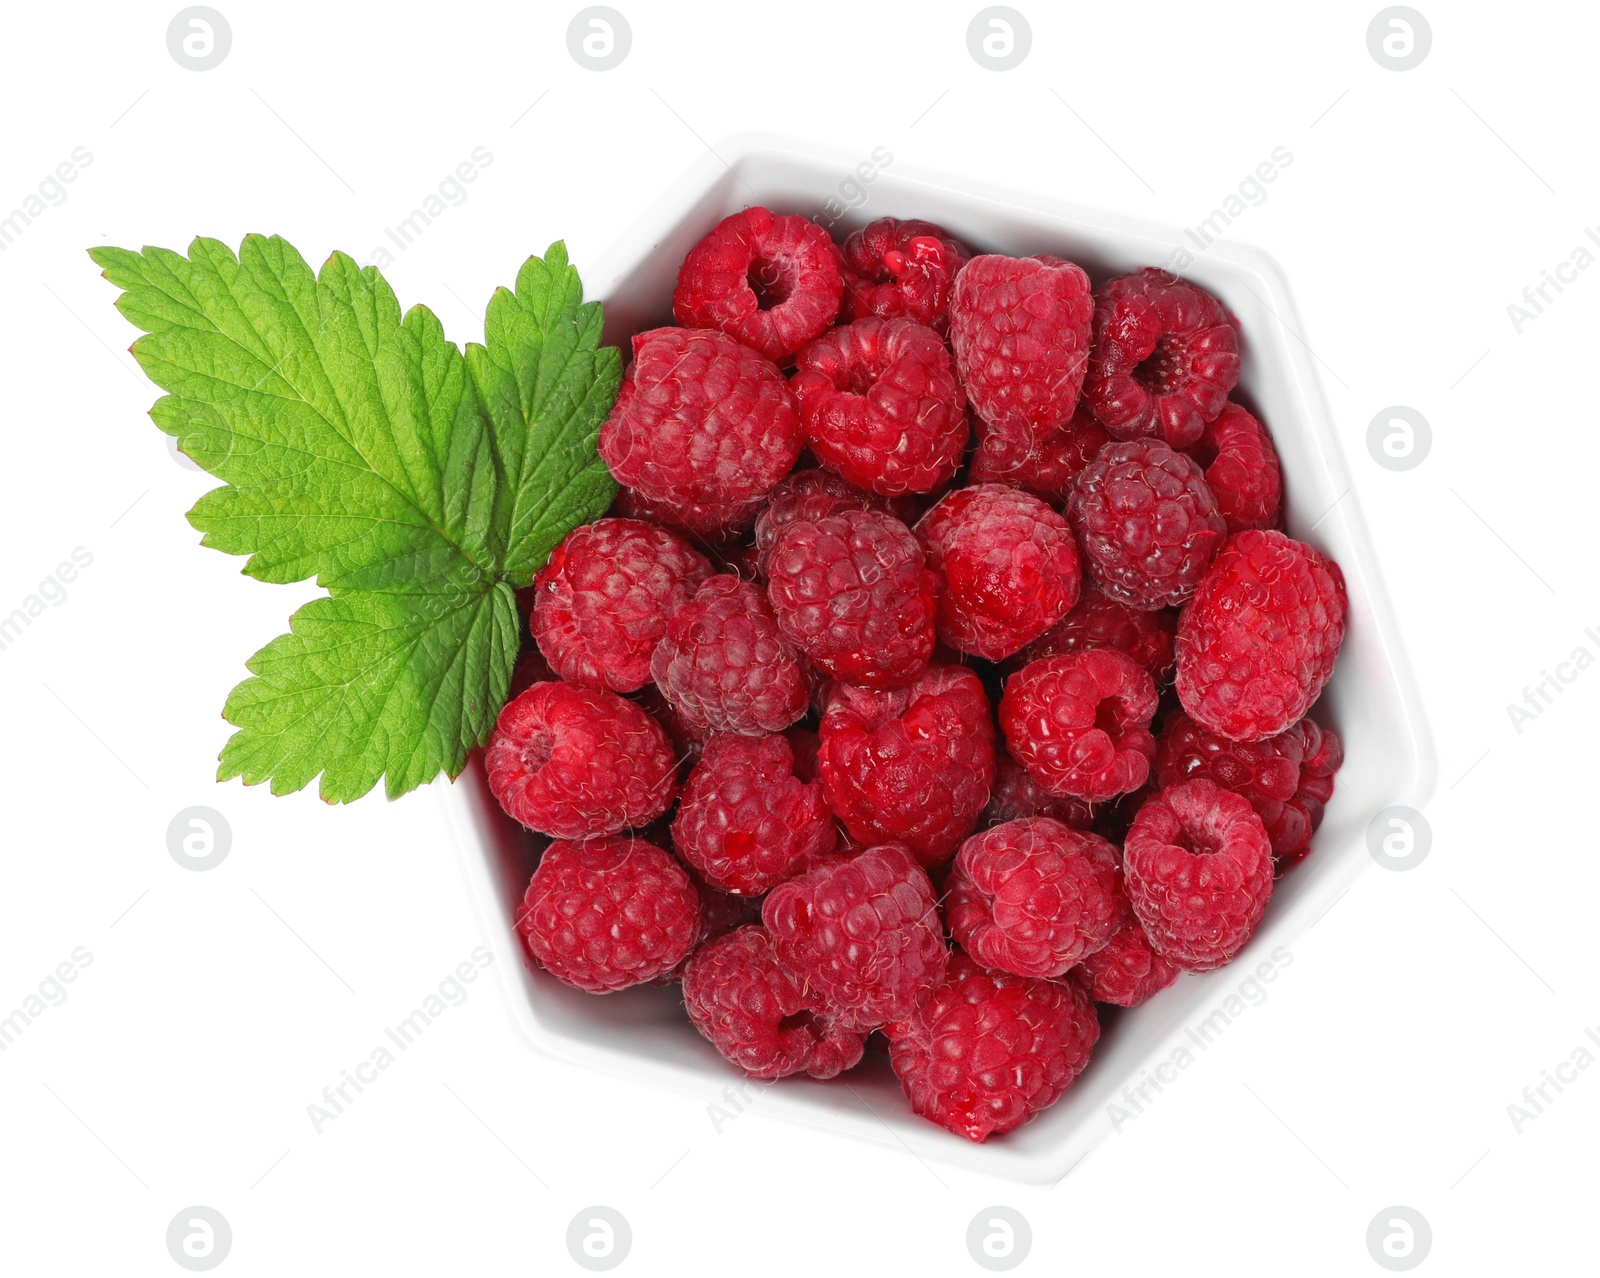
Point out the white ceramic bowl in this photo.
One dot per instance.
(643, 1033)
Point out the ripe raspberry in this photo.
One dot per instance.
(1287, 778)
(1016, 795)
(703, 428)
(850, 590)
(746, 820)
(1044, 463)
(604, 914)
(1164, 357)
(724, 663)
(1146, 522)
(570, 762)
(1258, 641)
(880, 405)
(1241, 468)
(911, 765)
(1099, 621)
(1126, 971)
(990, 1050)
(771, 282)
(861, 936)
(1080, 723)
(807, 494)
(602, 601)
(894, 268)
(1020, 330)
(1198, 868)
(1034, 897)
(1006, 564)
(753, 1011)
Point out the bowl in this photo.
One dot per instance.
(643, 1033)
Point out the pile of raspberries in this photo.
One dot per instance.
(940, 673)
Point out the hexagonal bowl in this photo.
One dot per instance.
(642, 1033)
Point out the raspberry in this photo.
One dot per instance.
(861, 936)
(1044, 463)
(1080, 723)
(1241, 468)
(1164, 357)
(1258, 641)
(1146, 522)
(746, 820)
(724, 663)
(1007, 568)
(850, 590)
(990, 1050)
(912, 765)
(1286, 778)
(602, 601)
(1034, 897)
(753, 1011)
(570, 762)
(1020, 330)
(807, 494)
(604, 914)
(771, 282)
(1198, 868)
(880, 405)
(1099, 621)
(1016, 795)
(1126, 971)
(894, 268)
(703, 428)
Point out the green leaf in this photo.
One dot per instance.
(374, 684)
(547, 385)
(417, 485)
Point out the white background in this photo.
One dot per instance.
(218, 1005)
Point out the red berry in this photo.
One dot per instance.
(861, 936)
(1126, 971)
(1034, 897)
(1020, 330)
(911, 765)
(808, 494)
(1198, 868)
(1006, 564)
(880, 405)
(1080, 723)
(1164, 357)
(1099, 621)
(608, 913)
(570, 761)
(990, 1050)
(703, 428)
(1287, 778)
(1016, 795)
(1258, 641)
(747, 821)
(850, 590)
(894, 268)
(602, 601)
(1241, 468)
(724, 663)
(1146, 522)
(754, 1012)
(771, 282)
(1044, 463)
